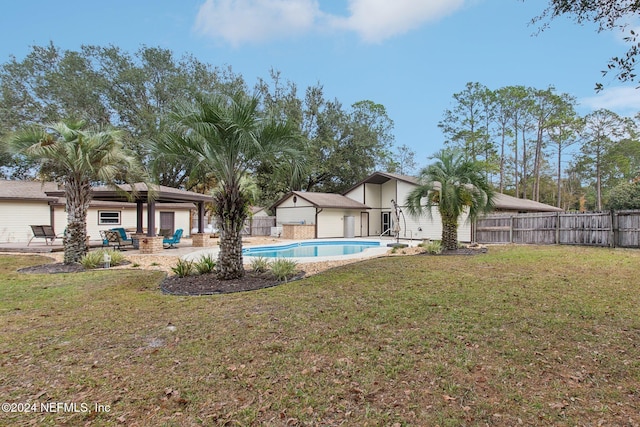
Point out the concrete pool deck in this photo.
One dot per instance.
(372, 252)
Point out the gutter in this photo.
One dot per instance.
(318, 211)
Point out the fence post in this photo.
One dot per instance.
(511, 229)
(613, 234)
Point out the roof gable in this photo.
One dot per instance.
(324, 200)
(381, 178)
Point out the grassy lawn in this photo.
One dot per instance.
(521, 335)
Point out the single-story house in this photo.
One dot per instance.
(26, 203)
(376, 206)
(321, 215)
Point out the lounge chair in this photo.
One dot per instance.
(43, 232)
(123, 235)
(113, 238)
(169, 243)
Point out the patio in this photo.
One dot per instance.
(168, 258)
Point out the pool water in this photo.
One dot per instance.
(310, 249)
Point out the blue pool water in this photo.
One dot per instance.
(310, 249)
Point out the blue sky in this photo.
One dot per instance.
(409, 55)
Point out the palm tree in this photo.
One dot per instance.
(228, 137)
(77, 157)
(453, 184)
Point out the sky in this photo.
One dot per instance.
(411, 56)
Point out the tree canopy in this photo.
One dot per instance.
(77, 156)
(453, 184)
(229, 137)
(608, 15)
(135, 93)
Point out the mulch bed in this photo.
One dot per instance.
(59, 267)
(53, 268)
(465, 251)
(209, 284)
(203, 284)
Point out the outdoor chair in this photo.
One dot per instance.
(169, 243)
(113, 238)
(165, 232)
(43, 232)
(123, 235)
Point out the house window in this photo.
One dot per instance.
(108, 217)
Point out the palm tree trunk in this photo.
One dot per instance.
(78, 195)
(231, 213)
(449, 233)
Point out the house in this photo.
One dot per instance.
(21, 205)
(26, 203)
(258, 211)
(308, 215)
(375, 207)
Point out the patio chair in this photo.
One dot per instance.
(43, 232)
(170, 243)
(123, 235)
(113, 238)
(165, 232)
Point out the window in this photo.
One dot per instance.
(108, 217)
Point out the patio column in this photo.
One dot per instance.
(200, 217)
(151, 219)
(139, 216)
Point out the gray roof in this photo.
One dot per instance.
(162, 194)
(501, 201)
(49, 192)
(27, 190)
(506, 202)
(325, 200)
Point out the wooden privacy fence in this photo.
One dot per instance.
(612, 229)
(259, 225)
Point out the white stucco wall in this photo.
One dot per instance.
(379, 196)
(331, 222)
(357, 194)
(387, 193)
(301, 211)
(425, 227)
(297, 215)
(17, 216)
(128, 219)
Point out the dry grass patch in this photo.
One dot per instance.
(531, 335)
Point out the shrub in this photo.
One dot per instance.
(206, 264)
(433, 247)
(260, 265)
(95, 259)
(284, 268)
(183, 268)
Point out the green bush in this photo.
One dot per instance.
(283, 269)
(260, 265)
(206, 264)
(433, 247)
(183, 268)
(95, 259)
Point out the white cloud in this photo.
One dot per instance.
(376, 20)
(623, 100)
(242, 21)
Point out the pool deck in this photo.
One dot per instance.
(186, 251)
(372, 252)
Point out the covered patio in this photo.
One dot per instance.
(143, 195)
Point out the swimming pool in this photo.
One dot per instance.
(310, 249)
